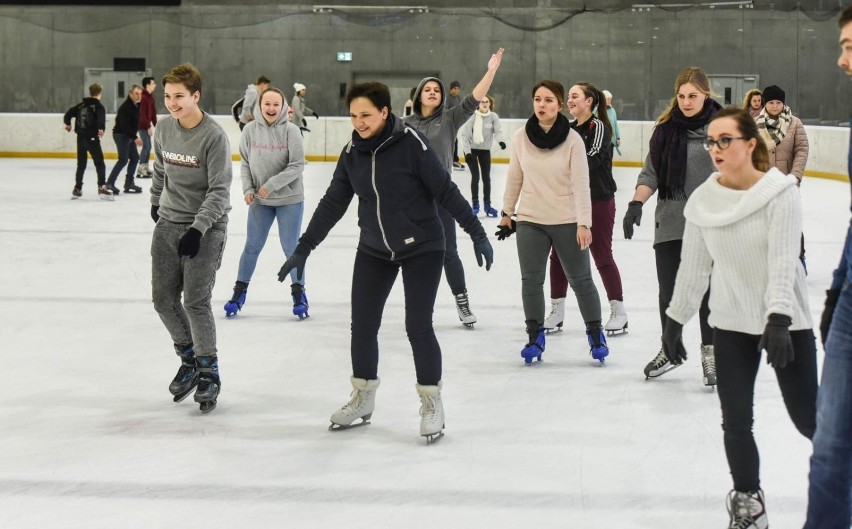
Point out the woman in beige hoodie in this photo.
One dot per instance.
(548, 189)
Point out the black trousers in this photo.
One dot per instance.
(737, 362)
(372, 280)
(668, 262)
(476, 159)
(85, 146)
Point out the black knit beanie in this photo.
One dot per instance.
(773, 93)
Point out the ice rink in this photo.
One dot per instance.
(91, 438)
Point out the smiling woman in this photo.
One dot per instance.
(399, 180)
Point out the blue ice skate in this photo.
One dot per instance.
(535, 347)
(489, 211)
(238, 299)
(597, 341)
(300, 301)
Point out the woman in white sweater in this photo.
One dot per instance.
(477, 135)
(548, 188)
(742, 236)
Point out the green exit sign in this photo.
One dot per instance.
(344, 56)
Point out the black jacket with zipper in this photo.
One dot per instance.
(398, 185)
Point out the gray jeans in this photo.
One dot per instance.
(534, 242)
(190, 321)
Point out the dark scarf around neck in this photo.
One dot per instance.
(550, 139)
(669, 152)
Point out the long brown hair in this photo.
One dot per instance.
(749, 95)
(692, 75)
(747, 128)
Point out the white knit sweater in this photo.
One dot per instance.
(747, 244)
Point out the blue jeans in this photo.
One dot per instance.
(260, 219)
(830, 492)
(127, 155)
(145, 153)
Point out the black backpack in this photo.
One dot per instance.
(237, 108)
(87, 117)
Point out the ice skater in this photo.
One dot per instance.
(742, 236)
(477, 135)
(399, 181)
(190, 201)
(273, 159)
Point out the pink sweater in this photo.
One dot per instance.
(552, 185)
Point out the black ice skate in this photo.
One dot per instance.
(208, 382)
(660, 365)
(187, 377)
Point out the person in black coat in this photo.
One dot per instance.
(399, 182)
(89, 117)
(124, 134)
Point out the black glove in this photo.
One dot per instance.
(468, 158)
(831, 297)
(190, 243)
(633, 216)
(297, 261)
(304, 123)
(482, 249)
(673, 342)
(777, 341)
(504, 232)
(316, 115)
(502, 145)
(155, 213)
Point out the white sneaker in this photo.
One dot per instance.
(617, 318)
(747, 510)
(463, 308)
(361, 405)
(553, 322)
(431, 412)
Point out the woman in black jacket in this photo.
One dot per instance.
(398, 180)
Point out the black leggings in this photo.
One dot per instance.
(668, 262)
(372, 280)
(737, 361)
(476, 159)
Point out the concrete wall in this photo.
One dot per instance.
(43, 135)
(636, 55)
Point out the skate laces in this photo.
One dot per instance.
(428, 406)
(739, 508)
(708, 359)
(463, 305)
(660, 360)
(355, 402)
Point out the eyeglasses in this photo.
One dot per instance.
(722, 143)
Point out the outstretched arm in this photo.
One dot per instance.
(481, 89)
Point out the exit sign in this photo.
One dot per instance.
(344, 56)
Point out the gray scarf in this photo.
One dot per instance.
(773, 130)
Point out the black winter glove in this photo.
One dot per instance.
(777, 342)
(633, 216)
(503, 145)
(483, 250)
(504, 232)
(468, 158)
(673, 342)
(190, 243)
(304, 123)
(155, 213)
(316, 115)
(297, 261)
(831, 297)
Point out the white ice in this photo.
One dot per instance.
(90, 437)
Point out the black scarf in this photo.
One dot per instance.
(371, 144)
(668, 149)
(551, 139)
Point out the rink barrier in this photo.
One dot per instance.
(44, 136)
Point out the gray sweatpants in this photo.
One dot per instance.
(534, 242)
(190, 321)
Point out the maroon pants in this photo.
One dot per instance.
(603, 217)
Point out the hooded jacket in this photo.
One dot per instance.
(442, 126)
(491, 130)
(746, 244)
(398, 185)
(273, 156)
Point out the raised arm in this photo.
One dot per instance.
(481, 89)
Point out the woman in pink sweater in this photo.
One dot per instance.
(548, 189)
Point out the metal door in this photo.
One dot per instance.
(731, 89)
(116, 85)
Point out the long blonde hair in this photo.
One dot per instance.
(694, 76)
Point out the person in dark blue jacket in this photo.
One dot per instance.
(400, 183)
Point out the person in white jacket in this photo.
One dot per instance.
(477, 135)
(742, 237)
(273, 159)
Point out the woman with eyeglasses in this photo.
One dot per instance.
(477, 135)
(675, 166)
(742, 235)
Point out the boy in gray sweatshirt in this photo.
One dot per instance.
(190, 201)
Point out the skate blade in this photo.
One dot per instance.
(181, 396)
(468, 325)
(334, 427)
(668, 368)
(552, 330)
(616, 332)
(108, 198)
(207, 406)
(433, 438)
